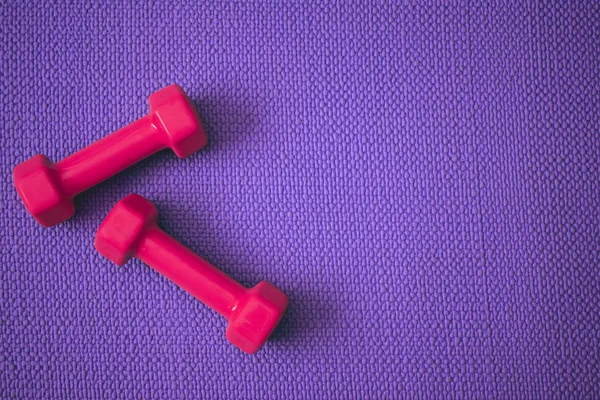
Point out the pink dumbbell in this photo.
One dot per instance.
(130, 230)
(47, 189)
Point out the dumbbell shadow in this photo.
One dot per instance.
(226, 120)
(306, 314)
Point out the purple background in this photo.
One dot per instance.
(422, 180)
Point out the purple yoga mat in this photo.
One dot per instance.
(421, 179)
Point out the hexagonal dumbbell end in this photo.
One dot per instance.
(130, 230)
(38, 184)
(178, 117)
(255, 319)
(124, 228)
(47, 189)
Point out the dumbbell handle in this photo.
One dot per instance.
(191, 272)
(110, 155)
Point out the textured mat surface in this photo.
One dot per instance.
(422, 180)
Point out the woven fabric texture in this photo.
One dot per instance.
(420, 178)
